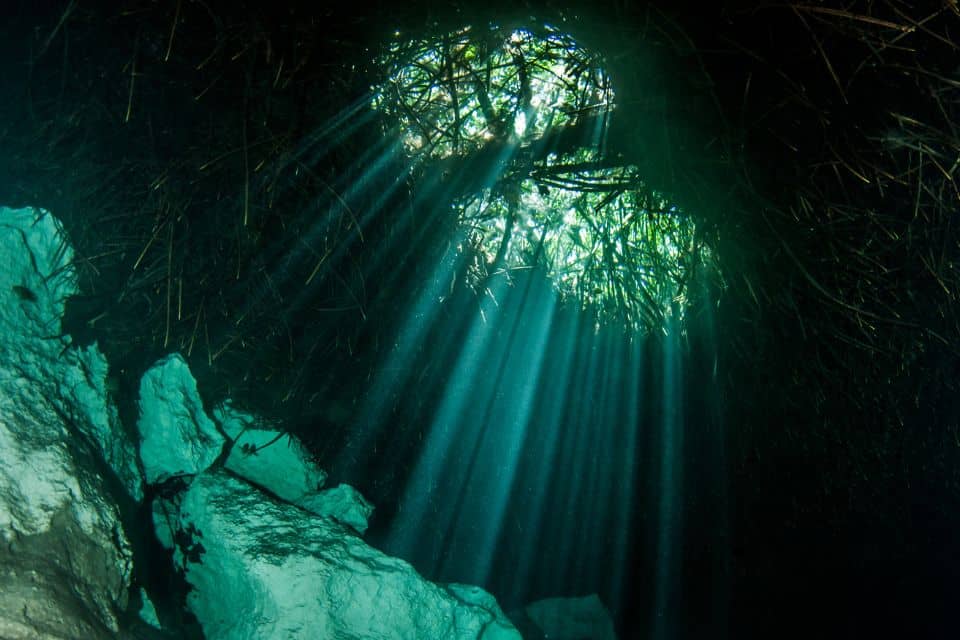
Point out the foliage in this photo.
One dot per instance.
(608, 240)
(452, 94)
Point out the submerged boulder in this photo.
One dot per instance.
(343, 503)
(278, 462)
(177, 436)
(270, 459)
(266, 551)
(261, 568)
(65, 563)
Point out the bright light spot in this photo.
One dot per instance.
(431, 88)
(520, 124)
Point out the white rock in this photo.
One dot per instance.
(36, 277)
(85, 387)
(472, 594)
(274, 460)
(66, 562)
(342, 503)
(264, 569)
(279, 463)
(177, 436)
(572, 618)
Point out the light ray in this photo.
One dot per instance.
(669, 523)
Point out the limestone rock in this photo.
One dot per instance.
(265, 569)
(35, 280)
(65, 563)
(177, 436)
(279, 463)
(274, 460)
(85, 387)
(342, 503)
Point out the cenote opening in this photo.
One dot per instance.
(461, 320)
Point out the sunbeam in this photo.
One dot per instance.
(559, 415)
(670, 511)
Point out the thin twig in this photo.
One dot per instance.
(173, 30)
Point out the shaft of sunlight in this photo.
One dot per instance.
(489, 475)
(669, 523)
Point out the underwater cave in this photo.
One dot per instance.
(479, 320)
